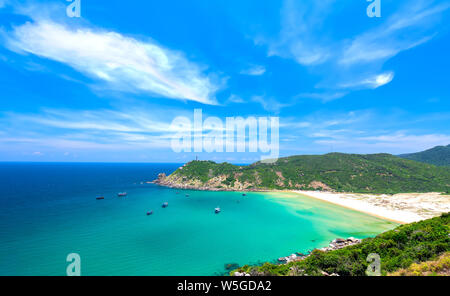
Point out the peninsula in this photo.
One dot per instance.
(382, 185)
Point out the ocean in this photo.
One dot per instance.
(50, 210)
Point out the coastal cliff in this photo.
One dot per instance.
(338, 172)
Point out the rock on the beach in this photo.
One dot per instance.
(353, 240)
(237, 273)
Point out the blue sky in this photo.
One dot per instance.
(106, 86)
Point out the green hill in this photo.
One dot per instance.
(399, 248)
(375, 173)
(439, 155)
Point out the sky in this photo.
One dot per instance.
(106, 86)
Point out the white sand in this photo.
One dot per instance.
(401, 208)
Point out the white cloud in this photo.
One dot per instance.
(92, 129)
(307, 38)
(121, 130)
(121, 63)
(405, 138)
(367, 51)
(269, 104)
(104, 121)
(235, 99)
(371, 82)
(365, 131)
(297, 38)
(324, 97)
(380, 80)
(395, 143)
(404, 30)
(254, 71)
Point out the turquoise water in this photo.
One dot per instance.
(49, 211)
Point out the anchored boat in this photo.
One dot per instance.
(120, 194)
(149, 213)
(217, 210)
(165, 205)
(99, 197)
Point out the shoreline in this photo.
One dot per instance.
(402, 208)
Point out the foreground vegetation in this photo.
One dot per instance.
(376, 173)
(401, 250)
(440, 266)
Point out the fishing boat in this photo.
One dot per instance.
(120, 194)
(217, 210)
(149, 213)
(99, 197)
(165, 205)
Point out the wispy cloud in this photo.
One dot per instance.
(119, 62)
(370, 82)
(396, 143)
(404, 30)
(101, 120)
(297, 38)
(254, 71)
(269, 104)
(324, 96)
(405, 138)
(235, 99)
(124, 129)
(363, 131)
(96, 129)
(355, 61)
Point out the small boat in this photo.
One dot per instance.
(122, 194)
(217, 210)
(187, 195)
(149, 213)
(99, 197)
(165, 205)
(243, 194)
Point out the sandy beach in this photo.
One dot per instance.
(401, 208)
